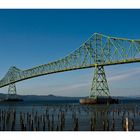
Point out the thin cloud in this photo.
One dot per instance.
(125, 75)
(72, 87)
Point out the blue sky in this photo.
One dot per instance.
(33, 37)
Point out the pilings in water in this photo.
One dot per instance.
(71, 118)
(125, 124)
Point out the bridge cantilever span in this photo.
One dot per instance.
(98, 51)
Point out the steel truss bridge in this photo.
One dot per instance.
(98, 51)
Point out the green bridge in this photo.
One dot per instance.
(98, 51)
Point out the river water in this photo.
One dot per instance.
(70, 116)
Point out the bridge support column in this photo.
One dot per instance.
(99, 84)
(12, 92)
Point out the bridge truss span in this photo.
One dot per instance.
(98, 50)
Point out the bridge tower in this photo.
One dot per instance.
(99, 86)
(12, 92)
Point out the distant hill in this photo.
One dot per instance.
(47, 97)
(42, 97)
(59, 98)
(2, 96)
